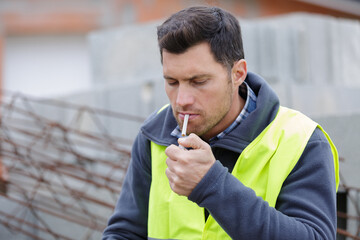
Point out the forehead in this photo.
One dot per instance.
(196, 60)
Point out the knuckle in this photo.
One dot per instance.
(207, 147)
(179, 171)
(176, 181)
(179, 174)
(168, 174)
(192, 136)
(168, 150)
(175, 190)
(185, 160)
(172, 186)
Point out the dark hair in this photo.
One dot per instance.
(195, 25)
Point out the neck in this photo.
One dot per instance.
(236, 107)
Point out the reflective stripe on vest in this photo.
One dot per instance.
(263, 166)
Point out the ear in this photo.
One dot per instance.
(239, 72)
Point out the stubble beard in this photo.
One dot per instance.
(208, 122)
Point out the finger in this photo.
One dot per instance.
(174, 182)
(173, 152)
(192, 141)
(170, 163)
(169, 174)
(172, 178)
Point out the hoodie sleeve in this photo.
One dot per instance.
(129, 220)
(306, 205)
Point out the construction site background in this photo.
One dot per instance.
(79, 78)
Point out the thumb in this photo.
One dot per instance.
(192, 141)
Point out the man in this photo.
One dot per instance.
(248, 169)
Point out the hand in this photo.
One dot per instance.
(186, 168)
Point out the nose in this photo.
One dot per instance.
(184, 96)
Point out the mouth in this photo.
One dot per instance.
(191, 115)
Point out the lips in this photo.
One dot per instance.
(191, 116)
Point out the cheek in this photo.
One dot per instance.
(170, 93)
(219, 100)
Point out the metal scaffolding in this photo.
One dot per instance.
(349, 203)
(64, 171)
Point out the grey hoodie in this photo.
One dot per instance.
(306, 205)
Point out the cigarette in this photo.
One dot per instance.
(186, 119)
(183, 132)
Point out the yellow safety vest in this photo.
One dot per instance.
(263, 166)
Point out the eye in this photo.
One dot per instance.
(200, 82)
(172, 82)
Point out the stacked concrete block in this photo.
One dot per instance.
(127, 53)
(305, 57)
(344, 131)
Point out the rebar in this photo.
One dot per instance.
(62, 174)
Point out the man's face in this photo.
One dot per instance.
(199, 86)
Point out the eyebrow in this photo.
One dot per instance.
(190, 78)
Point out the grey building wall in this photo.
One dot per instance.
(311, 61)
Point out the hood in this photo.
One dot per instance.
(159, 125)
